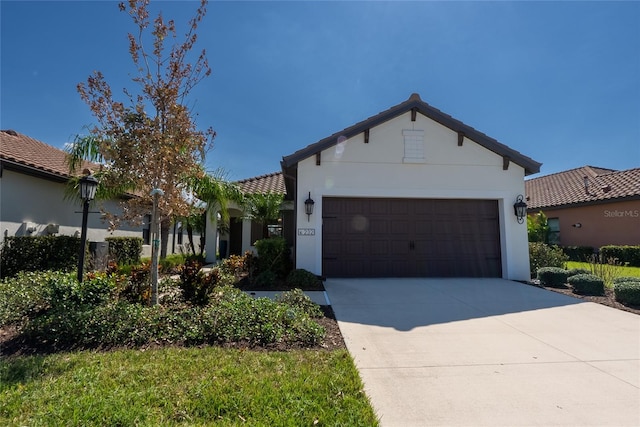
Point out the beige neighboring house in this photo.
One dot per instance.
(410, 191)
(589, 206)
(33, 178)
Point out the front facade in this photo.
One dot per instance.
(589, 206)
(410, 192)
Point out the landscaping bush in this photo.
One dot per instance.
(625, 279)
(575, 271)
(552, 276)
(273, 255)
(543, 255)
(238, 265)
(196, 285)
(24, 295)
(628, 292)
(125, 250)
(301, 278)
(587, 284)
(623, 254)
(266, 279)
(298, 299)
(171, 263)
(38, 253)
(578, 253)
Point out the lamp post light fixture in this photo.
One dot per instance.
(88, 186)
(520, 209)
(308, 206)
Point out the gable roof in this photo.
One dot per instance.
(28, 155)
(587, 184)
(415, 103)
(269, 183)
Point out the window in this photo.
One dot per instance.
(554, 230)
(179, 232)
(413, 146)
(146, 230)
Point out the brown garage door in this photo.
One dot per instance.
(367, 237)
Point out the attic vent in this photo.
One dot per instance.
(10, 132)
(413, 146)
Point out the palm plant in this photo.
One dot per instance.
(263, 208)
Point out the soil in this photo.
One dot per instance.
(607, 299)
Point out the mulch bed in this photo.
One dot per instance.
(607, 299)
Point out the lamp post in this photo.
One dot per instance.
(88, 186)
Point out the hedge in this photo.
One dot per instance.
(627, 292)
(623, 254)
(125, 250)
(38, 253)
(552, 276)
(579, 253)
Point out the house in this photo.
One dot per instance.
(33, 179)
(589, 206)
(243, 232)
(408, 192)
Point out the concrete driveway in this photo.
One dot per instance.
(471, 352)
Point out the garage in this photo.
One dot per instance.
(401, 237)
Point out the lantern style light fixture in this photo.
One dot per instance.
(520, 209)
(88, 187)
(308, 206)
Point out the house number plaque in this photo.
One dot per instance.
(306, 231)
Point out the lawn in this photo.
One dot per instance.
(608, 271)
(183, 386)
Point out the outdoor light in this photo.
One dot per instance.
(308, 206)
(88, 186)
(520, 209)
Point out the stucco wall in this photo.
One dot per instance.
(616, 223)
(376, 169)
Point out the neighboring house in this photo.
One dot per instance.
(33, 178)
(410, 191)
(589, 206)
(242, 232)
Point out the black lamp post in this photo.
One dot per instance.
(88, 186)
(520, 209)
(308, 206)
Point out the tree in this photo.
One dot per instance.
(150, 145)
(538, 228)
(263, 208)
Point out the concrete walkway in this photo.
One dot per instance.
(474, 352)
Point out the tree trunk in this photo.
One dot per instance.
(190, 237)
(165, 225)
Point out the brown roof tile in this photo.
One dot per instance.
(21, 150)
(582, 185)
(269, 183)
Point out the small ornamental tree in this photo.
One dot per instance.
(149, 143)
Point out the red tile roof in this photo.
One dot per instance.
(582, 185)
(22, 151)
(269, 183)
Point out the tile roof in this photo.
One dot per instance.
(415, 103)
(586, 184)
(28, 153)
(269, 183)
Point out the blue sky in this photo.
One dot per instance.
(557, 81)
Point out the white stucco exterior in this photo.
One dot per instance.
(353, 168)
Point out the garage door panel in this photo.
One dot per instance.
(411, 237)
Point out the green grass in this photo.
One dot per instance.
(181, 386)
(606, 272)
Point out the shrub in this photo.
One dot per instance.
(623, 254)
(137, 287)
(125, 250)
(266, 279)
(237, 265)
(625, 279)
(574, 271)
(578, 253)
(587, 284)
(273, 255)
(38, 253)
(196, 286)
(301, 278)
(552, 276)
(171, 263)
(24, 295)
(627, 292)
(298, 299)
(543, 255)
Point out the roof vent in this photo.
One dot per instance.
(586, 184)
(10, 132)
(606, 188)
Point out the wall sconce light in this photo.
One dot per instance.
(577, 225)
(308, 206)
(520, 209)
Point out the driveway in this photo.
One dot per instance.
(471, 352)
